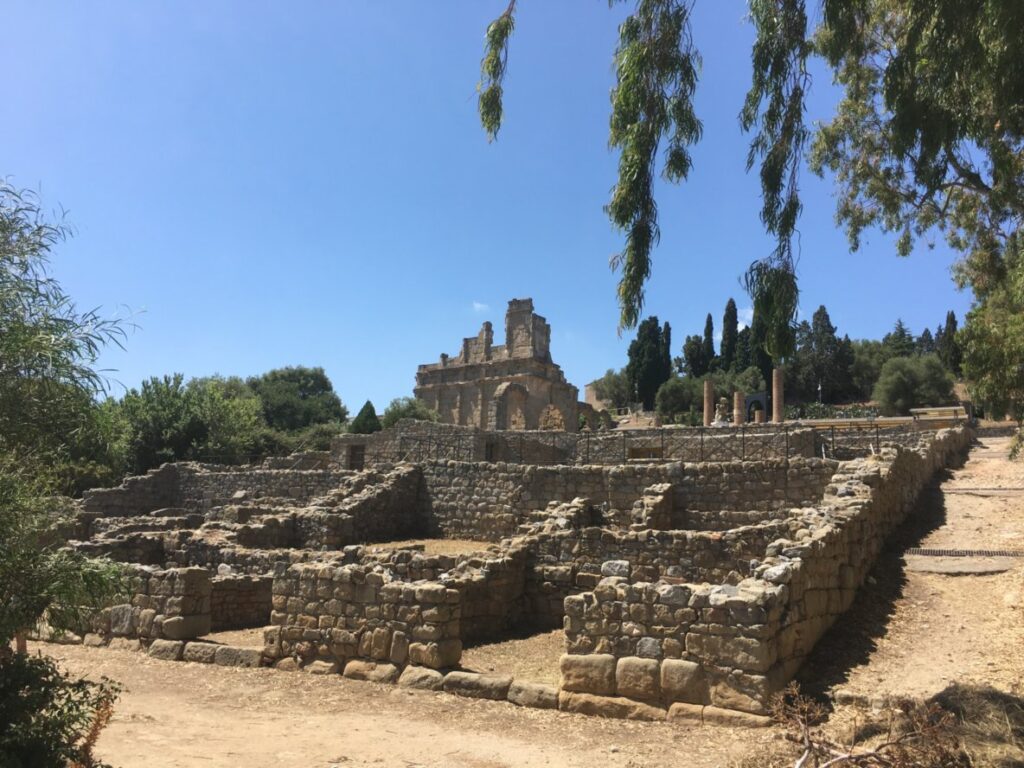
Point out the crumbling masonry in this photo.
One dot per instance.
(684, 588)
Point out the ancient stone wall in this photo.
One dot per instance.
(490, 501)
(240, 602)
(173, 604)
(731, 646)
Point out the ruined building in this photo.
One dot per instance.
(514, 386)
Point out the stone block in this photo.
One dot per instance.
(287, 664)
(201, 653)
(370, 671)
(421, 678)
(399, 648)
(445, 653)
(477, 686)
(186, 627)
(229, 656)
(122, 620)
(93, 640)
(608, 706)
(637, 678)
(700, 714)
(166, 650)
(124, 644)
(535, 695)
(321, 667)
(590, 673)
(683, 681)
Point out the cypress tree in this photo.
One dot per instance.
(730, 325)
(366, 420)
(709, 341)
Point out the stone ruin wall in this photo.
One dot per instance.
(679, 586)
(732, 646)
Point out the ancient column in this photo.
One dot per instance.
(709, 402)
(778, 400)
(739, 409)
(759, 416)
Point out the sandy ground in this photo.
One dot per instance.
(181, 714)
(533, 658)
(453, 547)
(912, 633)
(907, 633)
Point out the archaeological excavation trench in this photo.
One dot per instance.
(685, 589)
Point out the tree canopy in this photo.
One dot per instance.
(928, 136)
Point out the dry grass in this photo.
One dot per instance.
(239, 638)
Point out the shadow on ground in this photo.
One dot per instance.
(851, 640)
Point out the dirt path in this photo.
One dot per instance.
(913, 633)
(181, 714)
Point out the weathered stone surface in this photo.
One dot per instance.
(477, 686)
(684, 681)
(186, 627)
(124, 644)
(202, 653)
(637, 678)
(436, 655)
(166, 650)
(590, 673)
(422, 678)
(93, 640)
(370, 671)
(287, 664)
(321, 667)
(608, 706)
(229, 656)
(122, 620)
(535, 695)
(706, 715)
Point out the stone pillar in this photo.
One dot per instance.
(709, 402)
(759, 416)
(778, 399)
(739, 409)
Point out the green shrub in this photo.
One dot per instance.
(46, 719)
(912, 382)
(366, 421)
(677, 396)
(407, 408)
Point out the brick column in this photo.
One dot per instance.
(778, 398)
(739, 410)
(709, 402)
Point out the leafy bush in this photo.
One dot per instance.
(678, 396)
(46, 719)
(297, 397)
(366, 421)
(912, 382)
(407, 408)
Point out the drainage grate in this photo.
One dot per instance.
(965, 552)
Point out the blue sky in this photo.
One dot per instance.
(263, 184)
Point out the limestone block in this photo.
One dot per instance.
(440, 655)
(535, 695)
(706, 715)
(477, 686)
(637, 678)
(608, 706)
(287, 664)
(186, 627)
(201, 653)
(124, 644)
(399, 648)
(122, 620)
(229, 656)
(321, 667)
(591, 673)
(93, 640)
(370, 671)
(166, 650)
(684, 681)
(421, 678)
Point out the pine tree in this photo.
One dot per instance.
(900, 341)
(947, 346)
(729, 334)
(925, 343)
